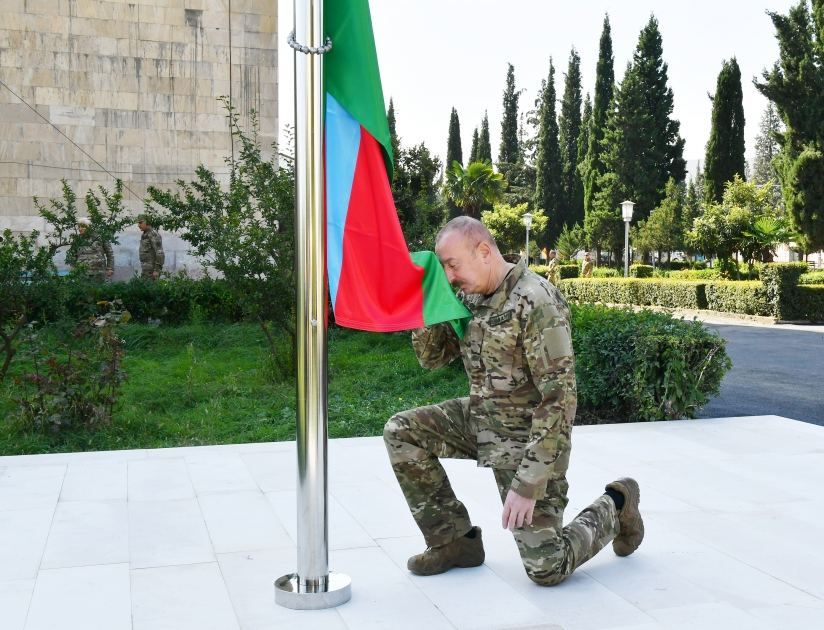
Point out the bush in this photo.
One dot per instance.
(643, 366)
(643, 292)
(541, 270)
(638, 270)
(569, 271)
(812, 277)
(605, 272)
(810, 303)
(747, 297)
(781, 284)
(695, 274)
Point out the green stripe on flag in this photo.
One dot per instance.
(350, 69)
(439, 301)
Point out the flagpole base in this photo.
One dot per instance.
(291, 592)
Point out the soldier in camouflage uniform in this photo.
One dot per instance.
(517, 352)
(586, 266)
(151, 253)
(552, 273)
(92, 254)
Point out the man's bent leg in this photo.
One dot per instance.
(415, 439)
(551, 552)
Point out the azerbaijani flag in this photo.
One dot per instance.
(373, 281)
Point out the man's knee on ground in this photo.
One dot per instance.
(545, 578)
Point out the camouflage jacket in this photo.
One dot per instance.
(517, 352)
(552, 274)
(95, 256)
(151, 251)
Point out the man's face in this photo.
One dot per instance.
(82, 228)
(142, 225)
(467, 267)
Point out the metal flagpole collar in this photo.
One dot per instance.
(292, 592)
(309, 50)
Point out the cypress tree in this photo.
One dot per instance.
(725, 148)
(548, 184)
(509, 151)
(484, 145)
(571, 210)
(767, 146)
(583, 137)
(604, 88)
(393, 135)
(473, 152)
(454, 151)
(651, 149)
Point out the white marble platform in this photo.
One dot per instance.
(192, 538)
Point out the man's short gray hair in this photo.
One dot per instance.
(84, 221)
(470, 229)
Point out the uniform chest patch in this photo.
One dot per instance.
(496, 320)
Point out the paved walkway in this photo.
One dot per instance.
(192, 538)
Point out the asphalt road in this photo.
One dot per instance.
(775, 372)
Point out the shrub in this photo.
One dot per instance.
(781, 284)
(812, 277)
(541, 270)
(638, 270)
(75, 382)
(695, 274)
(643, 292)
(748, 297)
(569, 271)
(643, 366)
(605, 272)
(810, 303)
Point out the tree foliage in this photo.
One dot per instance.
(244, 230)
(473, 187)
(593, 166)
(725, 147)
(510, 151)
(484, 145)
(506, 224)
(795, 84)
(548, 185)
(662, 231)
(571, 210)
(454, 150)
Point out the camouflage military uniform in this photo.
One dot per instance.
(586, 269)
(151, 253)
(94, 256)
(552, 274)
(517, 352)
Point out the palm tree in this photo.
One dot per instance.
(763, 236)
(473, 187)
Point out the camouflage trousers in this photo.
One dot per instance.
(550, 552)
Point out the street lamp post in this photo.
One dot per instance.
(527, 218)
(626, 213)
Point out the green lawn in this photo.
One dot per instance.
(210, 384)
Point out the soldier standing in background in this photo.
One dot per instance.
(517, 351)
(552, 274)
(586, 267)
(91, 253)
(151, 250)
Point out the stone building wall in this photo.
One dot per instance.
(94, 90)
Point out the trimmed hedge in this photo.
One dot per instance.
(643, 366)
(695, 274)
(637, 270)
(810, 303)
(729, 296)
(781, 283)
(569, 271)
(812, 277)
(606, 272)
(640, 291)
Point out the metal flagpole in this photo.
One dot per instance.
(313, 586)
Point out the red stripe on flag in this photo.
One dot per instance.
(380, 289)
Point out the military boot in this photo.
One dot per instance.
(464, 552)
(629, 518)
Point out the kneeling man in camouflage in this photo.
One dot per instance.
(517, 420)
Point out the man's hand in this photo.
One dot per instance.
(155, 274)
(517, 511)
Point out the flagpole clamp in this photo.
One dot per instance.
(308, 50)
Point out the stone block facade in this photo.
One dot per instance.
(94, 90)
